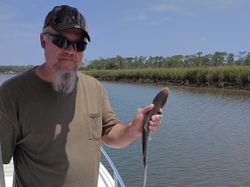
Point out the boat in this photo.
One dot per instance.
(105, 178)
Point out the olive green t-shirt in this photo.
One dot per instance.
(54, 138)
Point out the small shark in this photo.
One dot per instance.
(159, 102)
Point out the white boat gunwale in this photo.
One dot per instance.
(104, 179)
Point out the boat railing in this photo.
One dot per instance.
(2, 183)
(117, 178)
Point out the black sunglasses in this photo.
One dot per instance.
(64, 43)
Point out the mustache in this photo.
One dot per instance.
(69, 58)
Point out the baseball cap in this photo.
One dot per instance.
(66, 17)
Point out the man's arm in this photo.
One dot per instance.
(122, 135)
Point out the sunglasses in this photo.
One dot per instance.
(62, 42)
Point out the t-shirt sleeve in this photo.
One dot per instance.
(109, 118)
(7, 138)
(8, 123)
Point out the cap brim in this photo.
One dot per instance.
(86, 34)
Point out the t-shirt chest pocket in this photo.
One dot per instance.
(94, 126)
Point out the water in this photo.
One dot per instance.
(4, 77)
(204, 138)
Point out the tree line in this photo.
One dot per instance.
(14, 69)
(198, 59)
(195, 60)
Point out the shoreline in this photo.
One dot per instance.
(223, 85)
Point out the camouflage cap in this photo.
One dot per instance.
(66, 17)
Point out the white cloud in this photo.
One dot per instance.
(140, 16)
(203, 38)
(164, 7)
(159, 21)
(152, 14)
(221, 3)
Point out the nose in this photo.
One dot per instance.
(70, 49)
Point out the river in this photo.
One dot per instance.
(203, 140)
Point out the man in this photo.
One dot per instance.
(53, 119)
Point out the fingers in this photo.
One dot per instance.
(153, 128)
(146, 109)
(155, 122)
(161, 111)
(139, 116)
(156, 118)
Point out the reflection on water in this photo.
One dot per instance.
(220, 92)
(204, 138)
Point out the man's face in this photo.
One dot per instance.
(66, 59)
(63, 57)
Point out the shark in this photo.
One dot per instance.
(159, 102)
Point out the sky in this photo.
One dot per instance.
(130, 28)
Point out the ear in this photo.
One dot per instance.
(42, 40)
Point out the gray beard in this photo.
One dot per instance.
(64, 81)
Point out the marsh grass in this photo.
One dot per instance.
(234, 76)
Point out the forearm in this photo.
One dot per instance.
(121, 135)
